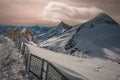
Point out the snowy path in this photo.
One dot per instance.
(80, 68)
(11, 62)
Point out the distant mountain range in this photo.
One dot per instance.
(35, 29)
(98, 37)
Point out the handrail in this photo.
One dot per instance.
(39, 67)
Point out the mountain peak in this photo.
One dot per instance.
(64, 25)
(104, 18)
(103, 15)
(62, 22)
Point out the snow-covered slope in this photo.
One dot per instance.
(58, 30)
(57, 43)
(98, 37)
(76, 68)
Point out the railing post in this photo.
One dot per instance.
(21, 47)
(17, 44)
(28, 62)
(42, 70)
(46, 70)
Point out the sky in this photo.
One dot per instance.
(55, 11)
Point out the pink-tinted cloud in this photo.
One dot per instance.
(57, 11)
(45, 11)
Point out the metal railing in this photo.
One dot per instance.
(40, 68)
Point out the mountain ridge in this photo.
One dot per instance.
(88, 39)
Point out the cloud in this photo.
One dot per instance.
(56, 11)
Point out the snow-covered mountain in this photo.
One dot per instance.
(38, 30)
(41, 32)
(57, 30)
(98, 37)
(57, 43)
(95, 36)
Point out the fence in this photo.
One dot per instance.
(40, 68)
